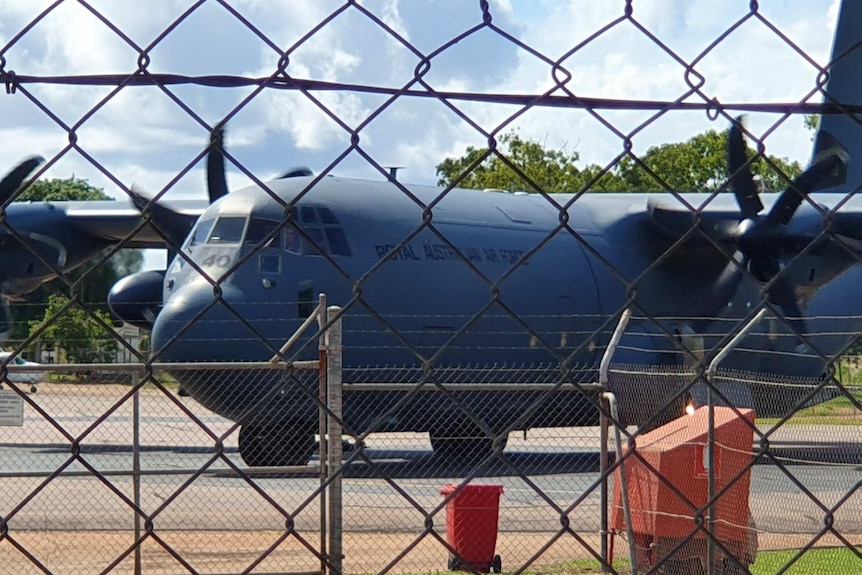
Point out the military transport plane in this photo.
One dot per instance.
(492, 287)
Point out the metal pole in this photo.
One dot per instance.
(333, 383)
(322, 448)
(624, 486)
(136, 470)
(710, 433)
(604, 367)
(315, 315)
(604, 532)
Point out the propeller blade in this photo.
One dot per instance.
(782, 295)
(216, 177)
(825, 145)
(13, 180)
(173, 225)
(824, 169)
(741, 180)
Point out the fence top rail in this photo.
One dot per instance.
(158, 366)
(429, 386)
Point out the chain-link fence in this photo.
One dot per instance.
(530, 381)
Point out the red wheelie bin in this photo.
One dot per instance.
(472, 516)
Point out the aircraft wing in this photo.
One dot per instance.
(120, 221)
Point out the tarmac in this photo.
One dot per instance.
(220, 517)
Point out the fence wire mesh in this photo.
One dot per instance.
(473, 324)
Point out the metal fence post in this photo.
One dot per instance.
(710, 434)
(334, 454)
(136, 469)
(322, 447)
(604, 367)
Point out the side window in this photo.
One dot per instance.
(269, 264)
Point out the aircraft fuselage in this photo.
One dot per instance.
(488, 286)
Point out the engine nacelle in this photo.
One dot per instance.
(137, 299)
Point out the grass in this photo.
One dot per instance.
(166, 379)
(814, 562)
(838, 411)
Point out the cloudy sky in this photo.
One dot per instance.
(143, 137)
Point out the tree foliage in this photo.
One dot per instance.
(82, 338)
(696, 165)
(61, 190)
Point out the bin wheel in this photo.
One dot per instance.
(497, 564)
(454, 564)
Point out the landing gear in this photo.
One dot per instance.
(276, 444)
(462, 446)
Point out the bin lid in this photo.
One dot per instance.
(472, 489)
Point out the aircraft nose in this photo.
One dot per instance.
(197, 324)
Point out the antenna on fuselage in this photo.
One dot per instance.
(393, 172)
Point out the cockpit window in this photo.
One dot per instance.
(309, 215)
(323, 232)
(202, 230)
(337, 242)
(327, 217)
(228, 230)
(259, 230)
(292, 240)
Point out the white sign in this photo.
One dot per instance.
(11, 409)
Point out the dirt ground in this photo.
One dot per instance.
(224, 553)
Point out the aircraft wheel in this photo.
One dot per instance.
(456, 445)
(276, 445)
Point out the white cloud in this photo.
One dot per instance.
(143, 135)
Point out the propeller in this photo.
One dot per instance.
(763, 238)
(176, 225)
(13, 180)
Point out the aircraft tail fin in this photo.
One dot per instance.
(844, 87)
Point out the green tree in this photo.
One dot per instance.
(61, 190)
(550, 170)
(812, 122)
(91, 282)
(82, 338)
(696, 165)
